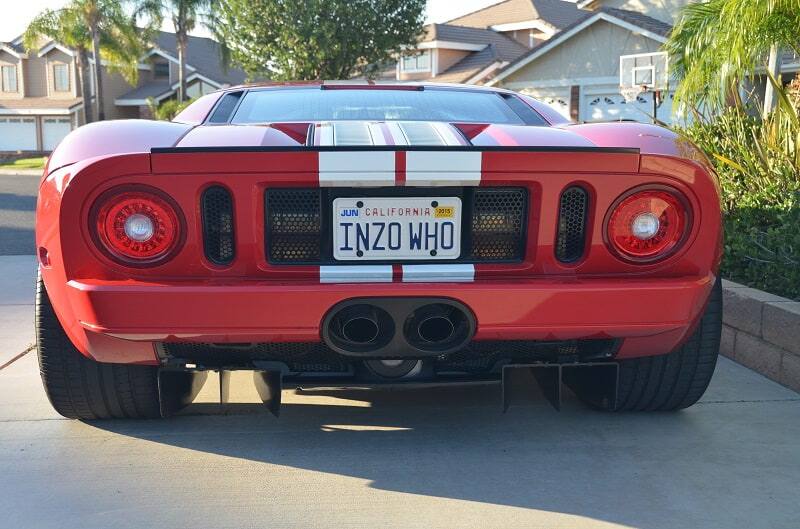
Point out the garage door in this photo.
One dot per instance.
(556, 98)
(54, 130)
(17, 133)
(613, 107)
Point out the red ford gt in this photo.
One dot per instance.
(335, 234)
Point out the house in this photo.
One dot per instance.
(569, 56)
(41, 99)
(577, 71)
(471, 48)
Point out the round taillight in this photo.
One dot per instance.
(647, 225)
(137, 226)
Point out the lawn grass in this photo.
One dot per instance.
(25, 163)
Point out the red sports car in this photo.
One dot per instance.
(344, 233)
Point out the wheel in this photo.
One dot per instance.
(80, 388)
(676, 380)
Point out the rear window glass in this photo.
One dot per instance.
(314, 104)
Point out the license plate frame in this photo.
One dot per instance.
(430, 228)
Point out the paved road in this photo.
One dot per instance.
(17, 208)
(441, 457)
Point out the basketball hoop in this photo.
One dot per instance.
(644, 73)
(630, 93)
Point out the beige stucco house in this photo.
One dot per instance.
(577, 70)
(472, 48)
(567, 53)
(41, 99)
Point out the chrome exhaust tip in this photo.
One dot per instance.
(436, 329)
(360, 329)
(401, 327)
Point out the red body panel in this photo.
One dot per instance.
(116, 313)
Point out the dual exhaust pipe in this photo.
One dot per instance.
(360, 325)
(400, 327)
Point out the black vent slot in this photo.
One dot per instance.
(222, 113)
(217, 214)
(294, 225)
(498, 224)
(572, 212)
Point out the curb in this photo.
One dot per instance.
(762, 332)
(21, 172)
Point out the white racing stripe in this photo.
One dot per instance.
(324, 134)
(443, 273)
(356, 169)
(355, 274)
(398, 136)
(376, 131)
(442, 168)
(448, 134)
(354, 133)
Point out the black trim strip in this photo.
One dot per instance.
(358, 148)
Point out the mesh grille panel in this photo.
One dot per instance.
(218, 236)
(294, 225)
(498, 224)
(481, 356)
(300, 357)
(571, 238)
(476, 357)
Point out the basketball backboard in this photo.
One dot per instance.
(642, 72)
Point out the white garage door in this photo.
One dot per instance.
(613, 107)
(17, 133)
(556, 98)
(54, 130)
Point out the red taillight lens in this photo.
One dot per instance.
(647, 225)
(137, 226)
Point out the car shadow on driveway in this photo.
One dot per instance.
(643, 470)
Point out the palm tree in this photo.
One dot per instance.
(717, 43)
(185, 15)
(101, 26)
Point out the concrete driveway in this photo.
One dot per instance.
(438, 457)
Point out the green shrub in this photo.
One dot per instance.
(758, 164)
(168, 109)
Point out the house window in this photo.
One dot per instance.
(161, 70)
(417, 63)
(9, 78)
(60, 77)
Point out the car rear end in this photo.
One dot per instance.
(380, 260)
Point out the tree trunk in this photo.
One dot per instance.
(98, 90)
(181, 37)
(773, 68)
(86, 83)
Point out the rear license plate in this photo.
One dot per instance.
(372, 228)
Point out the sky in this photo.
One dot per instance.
(17, 15)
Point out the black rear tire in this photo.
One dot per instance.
(676, 380)
(81, 388)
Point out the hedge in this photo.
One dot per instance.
(757, 165)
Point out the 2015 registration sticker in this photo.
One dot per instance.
(403, 228)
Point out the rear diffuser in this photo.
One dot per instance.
(177, 389)
(595, 383)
